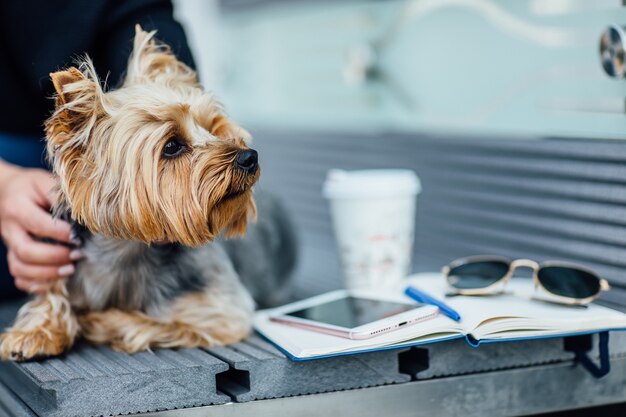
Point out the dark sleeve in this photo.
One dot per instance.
(116, 31)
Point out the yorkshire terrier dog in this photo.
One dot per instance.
(149, 174)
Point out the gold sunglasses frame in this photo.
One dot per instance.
(522, 263)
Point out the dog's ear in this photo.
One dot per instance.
(154, 62)
(79, 102)
(62, 78)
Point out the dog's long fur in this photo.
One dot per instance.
(106, 149)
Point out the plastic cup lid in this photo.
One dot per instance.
(371, 183)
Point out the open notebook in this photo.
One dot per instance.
(505, 317)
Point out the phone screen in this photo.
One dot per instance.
(352, 311)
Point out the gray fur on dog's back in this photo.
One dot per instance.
(265, 257)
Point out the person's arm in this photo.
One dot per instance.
(24, 214)
(117, 29)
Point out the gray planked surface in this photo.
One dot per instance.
(517, 392)
(11, 405)
(543, 199)
(93, 381)
(260, 371)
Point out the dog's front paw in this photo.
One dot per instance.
(22, 345)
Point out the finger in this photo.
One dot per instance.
(40, 223)
(44, 184)
(32, 287)
(38, 273)
(30, 251)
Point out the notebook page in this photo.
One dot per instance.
(506, 315)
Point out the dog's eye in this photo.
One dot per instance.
(173, 148)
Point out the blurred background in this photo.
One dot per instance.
(505, 109)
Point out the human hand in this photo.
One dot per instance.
(24, 215)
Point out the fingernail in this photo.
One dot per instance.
(76, 254)
(75, 241)
(66, 270)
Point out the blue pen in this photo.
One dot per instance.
(422, 297)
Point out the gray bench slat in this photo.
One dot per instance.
(261, 375)
(184, 382)
(11, 405)
(524, 391)
(456, 357)
(94, 380)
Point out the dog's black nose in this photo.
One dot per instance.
(247, 160)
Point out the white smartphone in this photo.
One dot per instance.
(354, 314)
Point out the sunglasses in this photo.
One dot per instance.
(565, 282)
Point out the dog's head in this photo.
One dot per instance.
(153, 160)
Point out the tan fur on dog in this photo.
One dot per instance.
(196, 320)
(45, 326)
(170, 200)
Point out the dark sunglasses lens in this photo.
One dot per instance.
(480, 274)
(568, 282)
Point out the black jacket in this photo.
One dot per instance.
(40, 36)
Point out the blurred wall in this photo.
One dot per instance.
(519, 67)
(201, 19)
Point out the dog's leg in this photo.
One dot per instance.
(195, 320)
(45, 326)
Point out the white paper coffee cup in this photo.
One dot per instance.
(373, 214)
